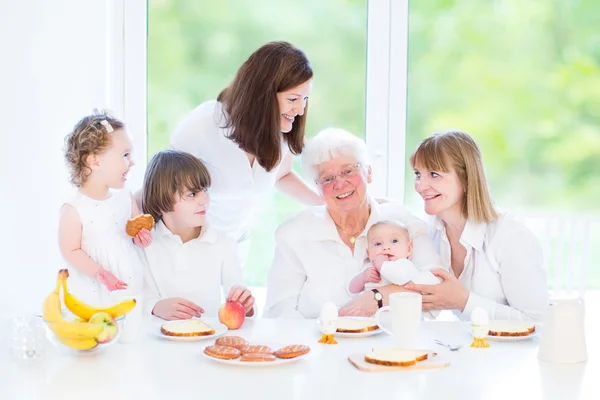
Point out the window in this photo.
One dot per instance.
(195, 49)
(522, 78)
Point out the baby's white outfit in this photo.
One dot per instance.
(104, 240)
(400, 272)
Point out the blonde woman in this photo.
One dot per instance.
(495, 262)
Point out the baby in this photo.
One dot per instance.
(389, 247)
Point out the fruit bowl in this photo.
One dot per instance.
(81, 336)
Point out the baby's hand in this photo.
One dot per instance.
(143, 238)
(243, 295)
(109, 280)
(379, 260)
(371, 274)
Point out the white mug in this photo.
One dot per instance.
(405, 308)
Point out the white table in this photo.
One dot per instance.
(154, 368)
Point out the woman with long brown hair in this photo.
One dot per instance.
(249, 135)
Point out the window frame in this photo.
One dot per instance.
(386, 87)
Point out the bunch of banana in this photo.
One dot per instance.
(86, 311)
(77, 335)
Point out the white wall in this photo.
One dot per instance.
(60, 59)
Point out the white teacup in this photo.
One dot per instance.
(405, 309)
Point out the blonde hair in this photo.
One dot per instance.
(90, 136)
(171, 172)
(458, 151)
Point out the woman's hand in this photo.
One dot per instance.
(364, 305)
(176, 308)
(450, 294)
(244, 296)
(143, 238)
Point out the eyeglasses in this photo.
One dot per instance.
(348, 172)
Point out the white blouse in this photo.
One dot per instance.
(195, 270)
(503, 269)
(237, 188)
(312, 264)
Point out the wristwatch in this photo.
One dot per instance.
(378, 296)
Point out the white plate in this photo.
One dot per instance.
(256, 364)
(219, 328)
(357, 334)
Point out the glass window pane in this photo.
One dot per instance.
(522, 78)
(196, 47)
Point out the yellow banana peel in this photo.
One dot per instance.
(76, 330)
(86, 311)
(79, 344)
(52, 310)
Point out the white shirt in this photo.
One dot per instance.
(195, 270)
(237, 188)
(312, 265)
(503, 269)
(400, 272)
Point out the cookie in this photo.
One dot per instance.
(257, 357)
(232, 341)
(134, 225)
(292, 351)
(256, 348)
(223, 352)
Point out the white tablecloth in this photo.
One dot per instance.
(154, 368)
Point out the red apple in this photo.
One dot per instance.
(110, 327)
(232, 314)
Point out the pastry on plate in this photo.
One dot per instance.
(510, 328)
(352, 325)
(187, 328)
(395, 357)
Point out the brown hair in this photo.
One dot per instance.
(457, 150)
(251, 107)
(171, 172)
(90, 136)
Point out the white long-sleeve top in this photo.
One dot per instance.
(201, 270)
(503, 269)
(312, 265)
(237, 188)
(400, 272)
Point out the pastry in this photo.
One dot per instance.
(190, 327)
(351, 325)
(232, 341)
(292, 351)
(507, 328)
(395, 357)
(256, 348)
(257, 357)
(223, 352)
(134, 225)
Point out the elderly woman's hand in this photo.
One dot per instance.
(450, 294)
(364, 305)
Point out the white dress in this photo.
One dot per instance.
(238, 189)
(104, 240)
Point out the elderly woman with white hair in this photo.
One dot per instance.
(319, 250)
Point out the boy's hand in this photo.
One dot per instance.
(379, 260)
(177, 308)
(143, 238)
(243, 295)
(109, 280)
(371, 274)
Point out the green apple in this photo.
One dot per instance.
(110, 327)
